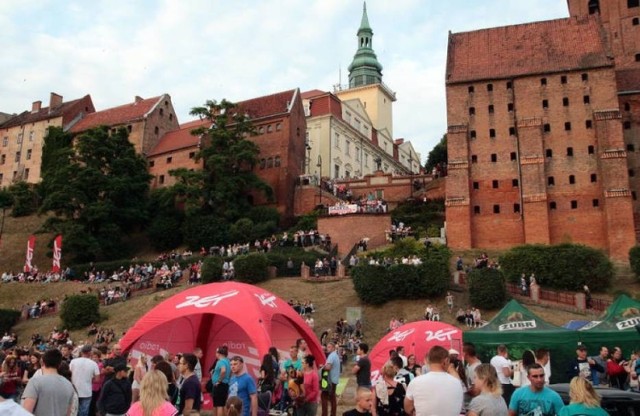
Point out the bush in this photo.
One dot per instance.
(204, 231)
(8, 318)
(25, 199)
(563, 266)
(634, 260)
(165, 231)
(79, 311)
(370, 283)
(487, 289)
(251, 268)
(211, 270)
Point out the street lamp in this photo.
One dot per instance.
(319, 165)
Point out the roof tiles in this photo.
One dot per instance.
(118, 115)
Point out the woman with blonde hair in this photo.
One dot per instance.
(584, 400)
(153, 397)
(489, 402)
(138, 374)
(388, 399)
(233, 407)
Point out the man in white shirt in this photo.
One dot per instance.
(83, 372)
(504, 368)
(437, 392)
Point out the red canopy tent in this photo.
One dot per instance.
(417, 338)
(246, 318)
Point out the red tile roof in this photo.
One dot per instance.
(118, 115)
(312, 93)
(44, 114)
(531, 48)
(628, 80)
(268, 105)
(179, 139)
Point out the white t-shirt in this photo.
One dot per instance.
(82, 372)
(436, 393)
(11, 408)
(499, 362)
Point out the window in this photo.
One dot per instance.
(278, 126)
(3, 159)
(472, 134)
(156, 130)
(269, 162)
(543, 81)
(574, 204)
(347, 147)
(496, 209)
(472, 111)
(263, 163)
(514, 156)
(169, 160)
(634, 196)
(637, 57)
(161, 179)
(632, 173)
(569, 151)
(29, 154)
(476, 209)
(552, 205)
(129, 128)
(563, 79)
(635, 21)
(594, 6)
(26, 174)
(586, 99)
(585, 76)
(494, 157)
(627, 125)
(5, 141)
(489, 87)
(495, 184)
(336, 141)
(594, 178)
(630, 148)
(18, 156)
(588, 124)
(357, 154)
(516, 208)
(31, 136)
(476, 185)
(567, 126)
(512, 131)
(19, 138)
(509, 85)
(474, 159)
(595, 203)
(170, 116)
(492, 133)
(591, 149)
(366, 159)
(633, 3)
(627, 107)
(551, 181)
(572, 180)
(548, 153)
(192, 155)
(470, 89)
(546, 128)
(545, 103)
(565, 101)
(515, 183)
(1, 176)
(161, 112)
(276, 161)
(152, 163)
(269, 128)
(490, 109)
(261, 130)
(510, 107)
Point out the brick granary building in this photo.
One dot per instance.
(543, 131)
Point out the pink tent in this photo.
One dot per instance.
(246, 318)
(417, 338)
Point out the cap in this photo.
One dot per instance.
(453, 352)
(86, 349)
(582, 347)
(120, 367)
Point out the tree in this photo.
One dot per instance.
(97, 191)
(437, 155)
(25, 199)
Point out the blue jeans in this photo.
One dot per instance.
(84, 403)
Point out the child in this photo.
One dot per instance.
(364, 402)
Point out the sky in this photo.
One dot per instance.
(196, 50)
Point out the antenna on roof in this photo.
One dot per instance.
(338, 86)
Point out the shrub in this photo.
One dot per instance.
(634, 260)
(211, 270)
(8, 318)
(370, 283)
(487, 288)
(79, 311)
(25, 199)
(165, 231)
(405, 247)
(204, 231)
(564, 266)
(251, 268)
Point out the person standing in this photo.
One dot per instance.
(584, 400)
(84, 371)
(190, 390)
(115, 397)
(153, 397)
(601, 359)
(536, 398)
(49, 394)
(243, 386)
(311, 387)
(328, 396)
(617, 369)
(436, 392)
(389, 393)
(198, 370)
(220, 380)
(362, 369)
(489, 401)
(504, 369)
(582, 365)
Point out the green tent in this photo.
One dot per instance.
(520, 330)
(616, 328)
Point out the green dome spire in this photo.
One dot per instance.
(365, 68)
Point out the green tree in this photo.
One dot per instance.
(437, 155)
(25, 199)
(98, 193)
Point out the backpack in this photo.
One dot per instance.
(325, 383)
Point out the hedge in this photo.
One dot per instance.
(562, 267)
(8, 318)
(487, 289)
(279, 258)
(211, 270)
(251, 268)
(79, 311)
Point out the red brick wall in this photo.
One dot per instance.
(164, 118)
(630, 109)
(179, 159)
(307, 198)
(347, 230)
(394, 189)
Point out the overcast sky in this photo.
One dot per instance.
(211, 49)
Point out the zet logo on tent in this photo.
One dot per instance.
(267, 299)
(400, 335)
(203, 302)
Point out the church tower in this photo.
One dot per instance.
(365, 83)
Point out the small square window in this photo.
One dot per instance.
(552, 205)
(152, 163)
(569, 151)
(496, 209)
(510, 107)
(161, 179)
(516, 208)
(543, 81)
(572, 179)
(472, 134)
(495, 184)
(492, 133)
(514, 156)
(595, 203)
(546, 128)
(490, 109)
(548, 153)
(632, 173)
(476, 209)
(574, 204)
(512, 131)
(586, 99)
(627, 107)
(489, 87)
(192, 155)
(635, 21)
(588, 124)
(472, 111)
(567, 126)
(594, 178)
(474, 159)
(169, 159)
(591, 149)
(509, 85)
(633, 3)
(551, 181)
(476, 185)
(545, 103)
(634, 196)
(627, 125)
(494, 157)
(631, 148)
(514, 183)
(637, 57)
(565, 101)
(585, 76)
(563, 79)
(470, 89)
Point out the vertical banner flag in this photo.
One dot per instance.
(57, 253)
(31, 245)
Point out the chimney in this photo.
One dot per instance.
(55, 101)
(36, 106)
(137, 99)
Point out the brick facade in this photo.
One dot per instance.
(348, 230)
